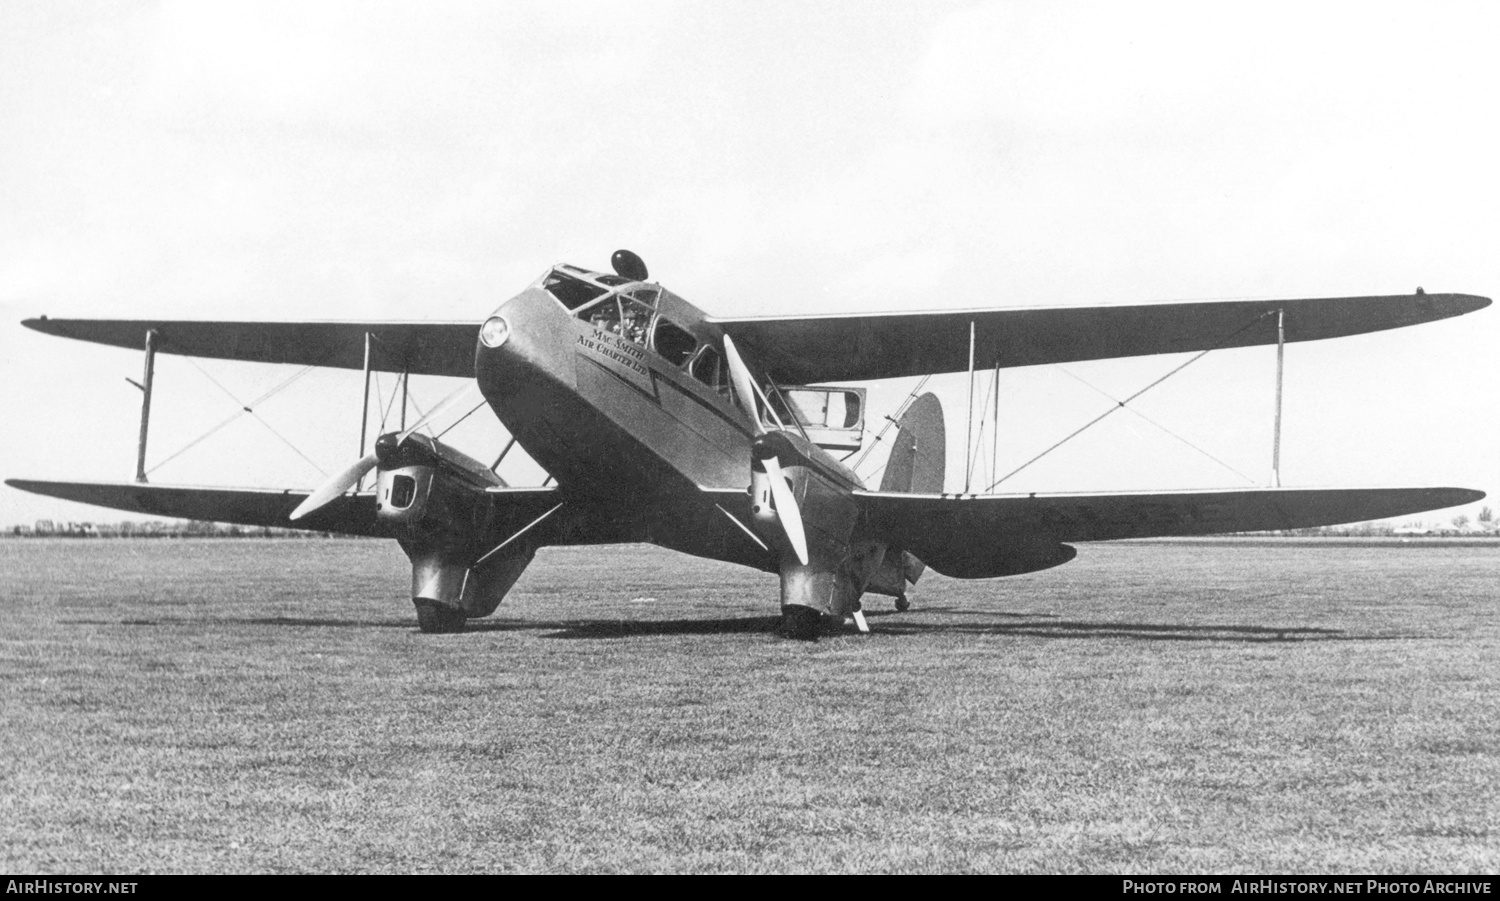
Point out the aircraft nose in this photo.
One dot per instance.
(523, 348)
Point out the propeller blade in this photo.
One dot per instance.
(335, 486)
(786, 509)
(442, 405)
(744, 386)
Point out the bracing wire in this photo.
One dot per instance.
(244, 408)
(1120, 404)
(385, 415)
(1148, 419)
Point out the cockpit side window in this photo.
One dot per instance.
(605, 315)
(673, 342)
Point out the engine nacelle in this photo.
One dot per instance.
(422, 488)
(436, 497)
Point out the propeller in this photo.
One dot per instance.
(351, 475)
(762, 449)
(339, 483)
(786, 505)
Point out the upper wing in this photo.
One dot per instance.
(421, 348)
(807, 349)
(1001, 534)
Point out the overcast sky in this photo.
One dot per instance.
(388, 161)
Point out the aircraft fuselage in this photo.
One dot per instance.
(626, 397)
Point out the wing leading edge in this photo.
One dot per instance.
(992, 535)
(350, 514)
(808, 349)
(422, 348)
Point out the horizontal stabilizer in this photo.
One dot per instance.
(805, 349)
(422, 348)
(990, 535)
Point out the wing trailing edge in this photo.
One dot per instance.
(981, 536)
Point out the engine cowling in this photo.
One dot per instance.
(431, 490)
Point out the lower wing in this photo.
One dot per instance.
(350, 514)
(995, 535)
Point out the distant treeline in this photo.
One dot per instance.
(1375, 531)
(182, 528)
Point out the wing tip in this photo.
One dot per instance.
(1459, 304)
(1462, 495)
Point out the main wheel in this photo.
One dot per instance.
(801, 623)
(903, 603)
(436, 618)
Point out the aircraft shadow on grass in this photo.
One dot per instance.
(1036, 625)
(999, 623)
(300, 622)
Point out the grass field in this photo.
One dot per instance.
(1219, 706)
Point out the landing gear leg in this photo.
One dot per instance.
(801, 623)
(434, 617)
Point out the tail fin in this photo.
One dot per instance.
(920, 452)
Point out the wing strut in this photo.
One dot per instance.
(146, 380)
(1280, 364)
(364, 410)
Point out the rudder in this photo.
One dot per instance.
(918, 460)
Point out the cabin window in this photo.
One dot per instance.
(852, 414)
(832, 418)
(673, 342)
(708, 368)
(825, 408)
(571, 292)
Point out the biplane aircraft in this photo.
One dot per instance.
(717, 437)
